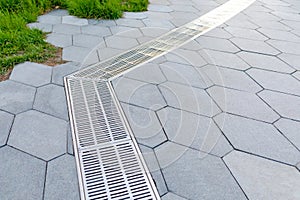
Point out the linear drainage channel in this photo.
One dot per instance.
(109, 162)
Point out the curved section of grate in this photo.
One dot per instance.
(109, 162)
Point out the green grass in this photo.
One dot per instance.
(18, 43)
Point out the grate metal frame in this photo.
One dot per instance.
(108, 159)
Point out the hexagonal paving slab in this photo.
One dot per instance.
(6, 121)
(60, 71)
(32, 74)
(16, 97)
(21, 175)
(39, 134)
(51, 99)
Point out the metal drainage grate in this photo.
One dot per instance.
(109, 162)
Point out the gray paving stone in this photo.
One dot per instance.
(51, 99)
(254, 46)
(265, 62)
(91, 58)
(61, 179)
(158, 23)
(132, 23)
(76, 54)
(285, 47)
(66, 29)
(219, 33)
(291, 59)
(95, 30)
(149, 72)
(133, 33)
(194, 131)
(293, 24)
(134, 15)
(70, 149)
(172, 196)
(22, 176)
(119, 42)
(153, 32)
(230, 78)
(184, 8)
(6, 121)
(158, 15)
(188, 57)
(263, 16)
(89, 41)
(159, 8)
(159, 182)
(43, 27)
(286, 105)
(242, 23)
(200, 177)
(60, 71)
(58, 12)
(150, 158)
(74, 20)
(276, 81)
(192, 45)
(185, 74)
(224, 59)
(49, 19)
(279, 35)
(144, 39)
(217, 44)
(188, 98)
(115, 30)
(145, 125)
(138, 93)
(271, 25)
(245, 33)
(237, 102)
(32, 74)
(183, 15)
(263, 179)
(59, 39)
(257, 138)
(290, 129)
(39, 134)
(105, 53)
(16, 97)
(106, 22)
(288, 16)
(297, 75)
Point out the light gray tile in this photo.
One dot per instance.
(60, 71)
(96, 30)
(118, 42)
(291, 59)
(217, 44)
(49, 19)
(76, 54)
(172, 196)
(66, 29)
(159, 8)
(6, 121)
(279, 35)
(290, 129)
(74, 20)
(286, 47)
(89, 41)
(245, 33)
(59, 39)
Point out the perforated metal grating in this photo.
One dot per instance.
(109, 163)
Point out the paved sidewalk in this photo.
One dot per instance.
(218, 118)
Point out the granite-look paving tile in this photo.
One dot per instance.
(237, 102)
(106, 52)
(285, 47)
(119, 42)
(39, 134)
(245, 33)
(158, 23)
(16, 97)
(183, 15)
(217, 44)
(188, 57)
(193, 131)
(282, 8)
(263, 16)
(95, 30)
(159, 8)
(51, 99)
(43, 27)
(265, 62)
(66, 29)
(74, 20)
(255, 46)
(76, 54)
(115, 30)
(89, 41)
(288, 16)
(291, 59)
(273, 25)
(192, 45)
(290, 129)
(149, 72)
(219, 33)
(293, 24)
(297, 75)
(200, 177)
(150, 158)
(139, 93)
(179, 21)
(6, 121)
(153, 32)
(60, 71)
(158, 15)
(144, 39)
(230, 78)
(32, 74)
(134, 15)
(185, 74)
(224, 59)
(22, 176)
(279, 35)
(263, 179)
(133, 33)
(286, 105)
(106, 22)
(59, 39)
(61, 179)
(49, 19)
(172, 196)
(59, 12)
(242, 23)
(70, 149)
(145, 125)
(184, 8)
(91, 58)
(257, 138)
(276, 81)
(159, 182)
(132, 23)
(189, 98)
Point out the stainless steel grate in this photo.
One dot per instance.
(109, 162)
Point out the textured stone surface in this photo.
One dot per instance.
(16, 97)
(74, 20)
(120, 42)
(246, 33)
(89, 41)
(285, 47)
(59, 39)
(71, 53)
(263, 179)
(290, 130)
(61, 179)
(6, 121)
(60, 71)
(30, 134)
(32, 74)
(172, 196)
(21, 175)
(96, 30)
(217, 44)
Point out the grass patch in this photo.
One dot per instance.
(18, 43)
